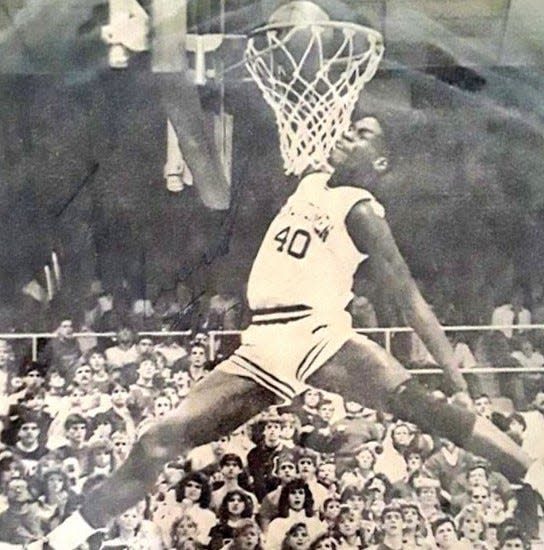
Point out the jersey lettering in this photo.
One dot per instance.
(295, 243)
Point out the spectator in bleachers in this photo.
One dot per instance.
(306, 407)
(28, 447)
(20, 523)
(181, 379)
(295, 506)
(290, 430)
(97, 361)
(122, 443)
(415, 532)
(331, 510)
(143, 391)
(193, 494)
(445, 534)
(62, 352)
(184, 534)
(513, 539)
(529, 358)
(285, 470)
(472, 527)
(515, 427)
(512, 313)
(6, 366)
(168, 346)
(247, 536)
(324, 542)
(326, 473)
(428, 496)
(297, 537)
(447, 463)
(131, 531)
(124, 352)
(378, 490)
(321, 435)
(10, 468)
(197, 362)
(363, 313)
(260, 459)
(231, 468)
(307, 463)
(347, 528)
(362, 468)
(56, 500)
(235, 507)
(391, 520)
(354, 498)
(93, 398)
(534, 418)
(76, 445)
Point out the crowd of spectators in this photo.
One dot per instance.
(318, 473)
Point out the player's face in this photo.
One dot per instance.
(231, 470)
(361, 147)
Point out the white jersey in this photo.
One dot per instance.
(307, 257)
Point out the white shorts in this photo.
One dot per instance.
(281, 355)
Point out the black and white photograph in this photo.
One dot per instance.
(272, 274)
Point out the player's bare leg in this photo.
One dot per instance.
(363, 371)
(213, 408)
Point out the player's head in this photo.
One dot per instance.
(361, 153)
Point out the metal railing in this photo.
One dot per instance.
(215, 335)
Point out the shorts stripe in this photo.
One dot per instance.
(302, 371)
(278, 320)
(305, 358)
(267, 379)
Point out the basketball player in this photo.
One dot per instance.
(298, 289)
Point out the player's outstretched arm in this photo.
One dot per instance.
(372, 235)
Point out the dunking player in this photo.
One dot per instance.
(300, 332)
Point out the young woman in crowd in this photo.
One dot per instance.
(56, 500)
(236, 506)
(347, 529)
(296, 538)
(296, 505)
(472, 527)
(193, 494)
(184, 534)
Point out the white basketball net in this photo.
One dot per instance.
(312, 111)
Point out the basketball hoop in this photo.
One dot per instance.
(311, 75)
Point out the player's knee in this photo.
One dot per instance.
(412, 402)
